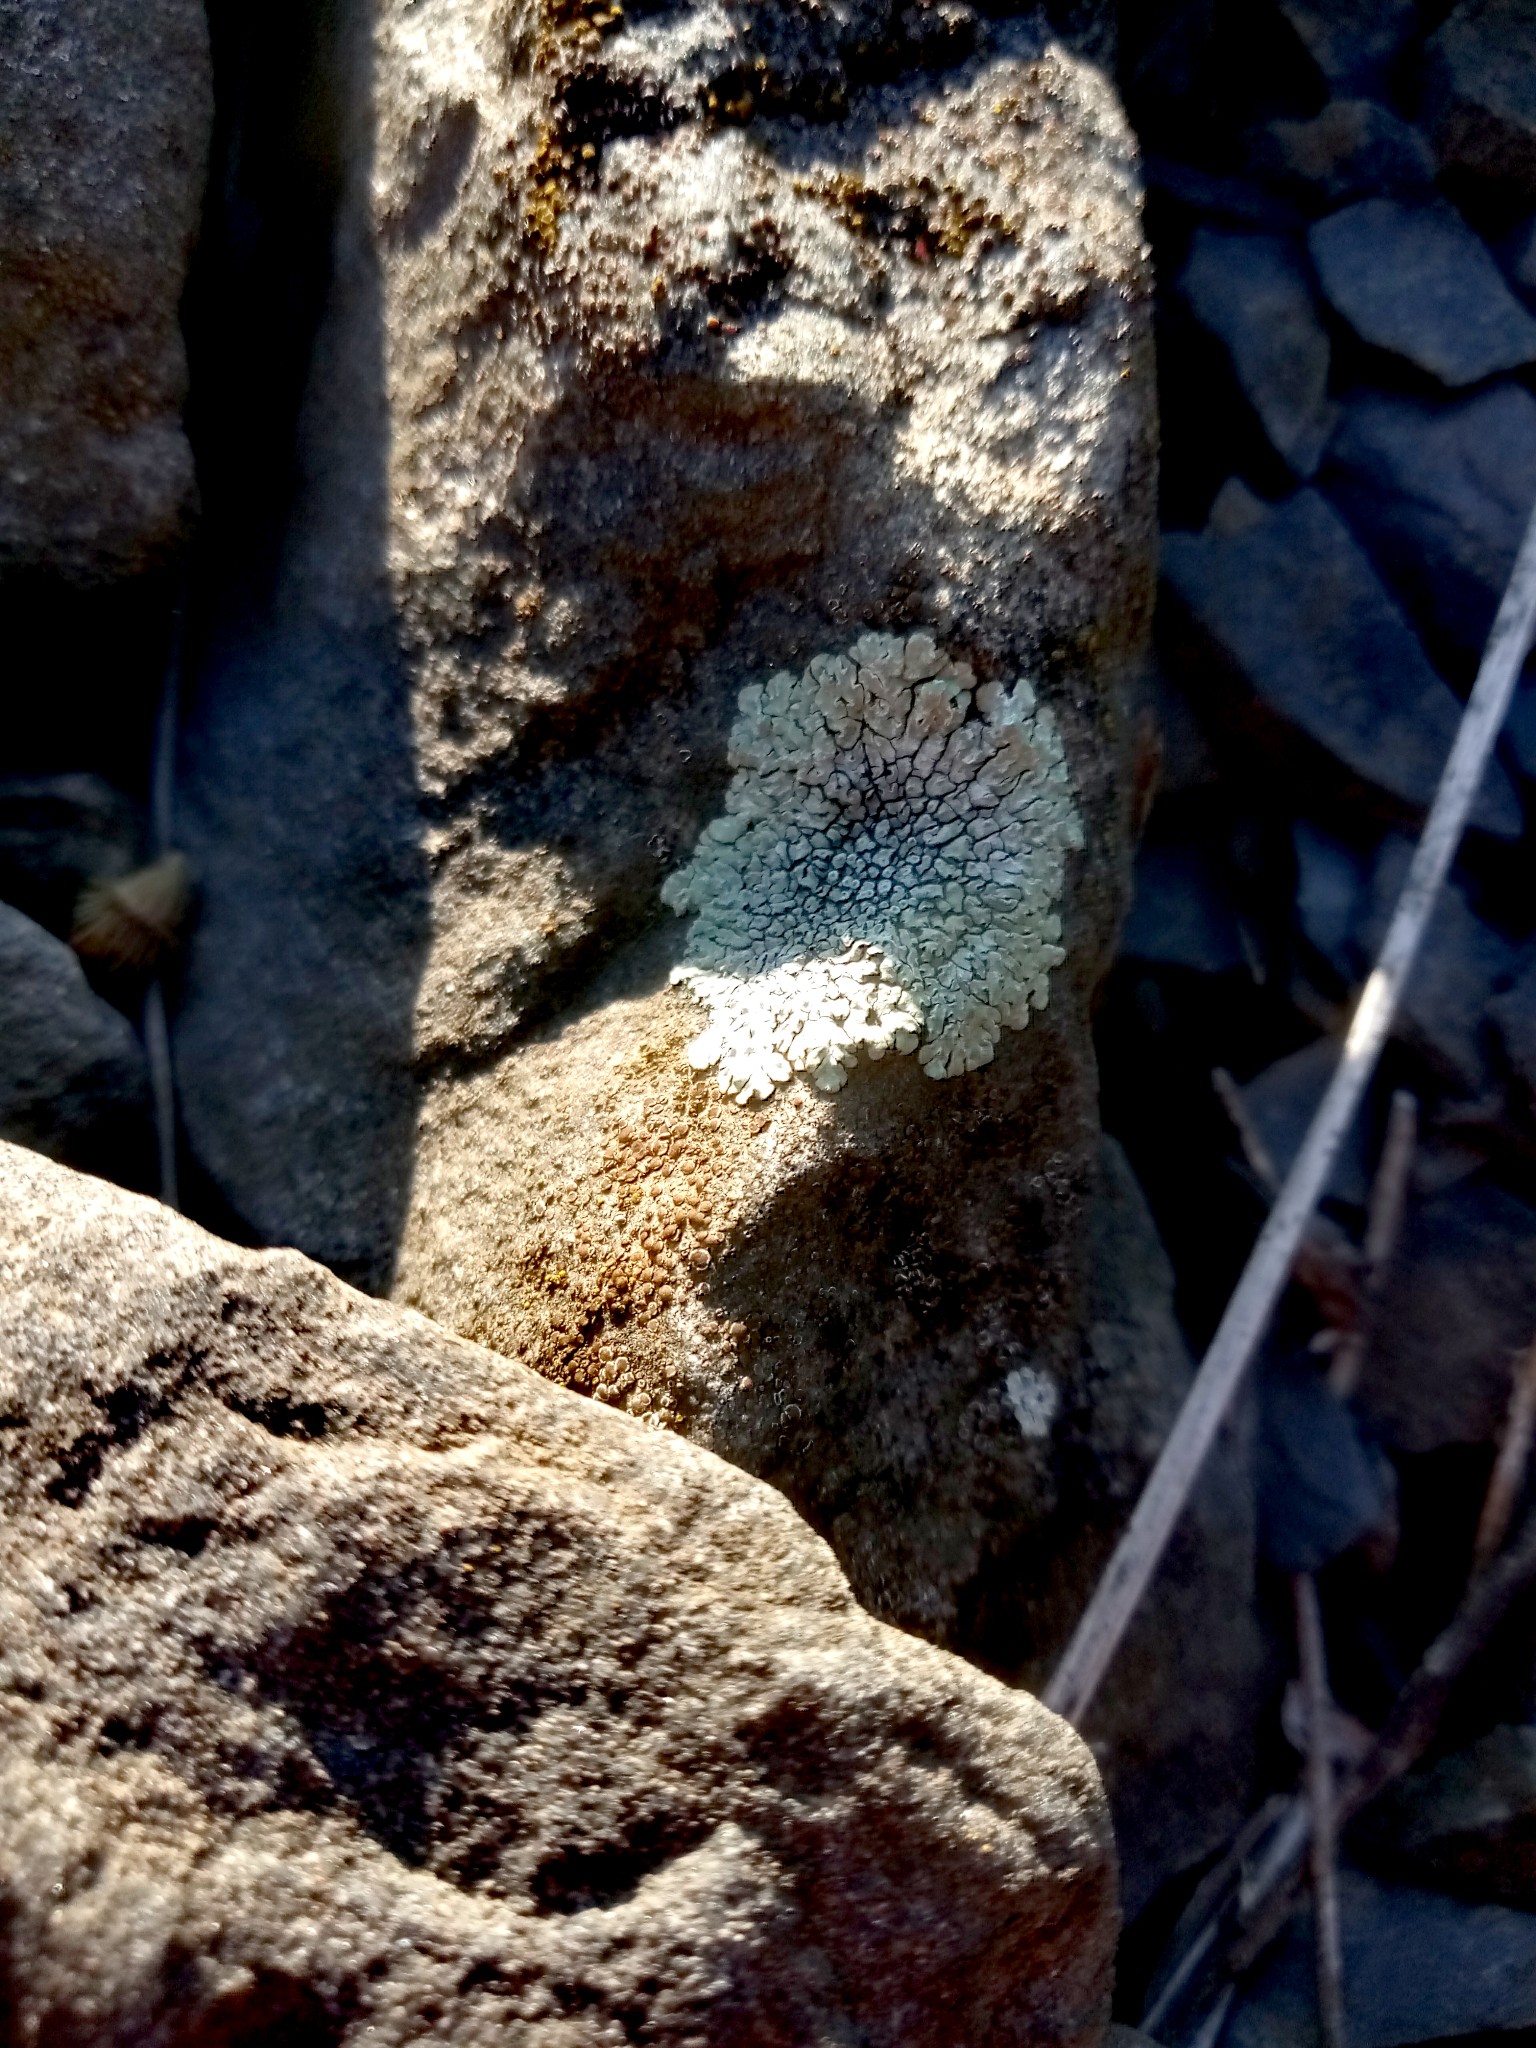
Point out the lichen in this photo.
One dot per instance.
(885, 875)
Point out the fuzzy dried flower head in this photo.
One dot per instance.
(886, 872)
(133, 921)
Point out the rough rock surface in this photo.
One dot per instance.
(1290, 608)
(1466, 1824)
(657, 360)
(106, 108)
(1255, 294)
(72, 1078)
(1416, 281)
(359, 1686)
(1480, 96)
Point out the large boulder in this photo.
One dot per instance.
(107, 109)
(665, 353)
(359, 1686)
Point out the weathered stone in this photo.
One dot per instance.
(106, 108)
(1440, 495)
(1467, 1824)
(631, 430)
(1460, 1305)
(1353, 149)
(57, 833)
(1332, 883)
(1354, 43)
(1292, 608)
(1322, 1487)
(72, 1080)
(1416, 1967)
(1254, 294)
(360, 1686)
(1480, 95)
(1416, 281)
(1175, 1724)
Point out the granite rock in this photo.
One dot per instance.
(359, 1686)
(1416, 281)
(107, 110)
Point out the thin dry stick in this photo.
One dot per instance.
(1319, 1761)
(1255, 1151)
(1384, 1219)
(1508, 1475)
(1408, 1732)
(1118, 1594)
(156, 1026)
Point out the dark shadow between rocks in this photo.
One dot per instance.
(294, 1034)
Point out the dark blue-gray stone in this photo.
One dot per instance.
(1354, 43)
(1479, 95)
(1293, 604)
(1440, 495)
(1415, 280)
(1321, 1485)
(1418, 1966)
(1353, 149)
(1254, 294)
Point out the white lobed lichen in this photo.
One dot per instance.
(885, 873)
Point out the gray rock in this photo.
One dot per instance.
(1253, 292)
(1332, 884)
(1416, 281)
(1321, 1486)
(1480, 95)
(1282, 1101)
(106, 106)
(1466, 1825)
(57, 833)
(1417, 1967)
(72, 1077)
(1182, 914)
(1459, 1306)
(1293, 608)
(432, 788)
(1462, 965)
(362, 1687)
(1174, 1726)
(1440, 495)
(586, 449)
(1354, 43)
(1353, 149)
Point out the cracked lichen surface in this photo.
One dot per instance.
(886, 872)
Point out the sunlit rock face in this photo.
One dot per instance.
(885, 873)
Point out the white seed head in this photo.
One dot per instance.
(885, 874)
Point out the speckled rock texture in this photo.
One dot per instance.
(358, 1686)
(106, 107)
(663, 353)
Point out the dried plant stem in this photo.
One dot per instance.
(1255, 1151)
(1384, 1219)
(1320, 1809)
(1408, 1732)
(1509, 1466)
(1136, 1556)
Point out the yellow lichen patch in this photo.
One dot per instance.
(570, 33)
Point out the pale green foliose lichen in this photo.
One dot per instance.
(885, 874)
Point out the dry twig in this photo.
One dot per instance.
(1136, 1556)
(1320, 1790)
(1509, 1465)
(1384, 1219)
